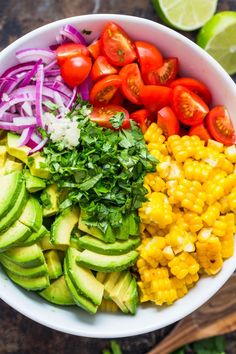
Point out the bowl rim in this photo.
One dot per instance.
(228, 269)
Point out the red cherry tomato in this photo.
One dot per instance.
(104, 89)
(141, 117)
(70, 50)
(189, 107)
(131, 82)
(220, 126)
(200, 131)
(95, 49)
(195, 86)
(155, 97)
(117, 99)
(102, 68)
(167, 121)
(75, 70)
(164, 75)
(149, 57)
(117, 46)
(102, 115)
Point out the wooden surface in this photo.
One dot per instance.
(19, 335)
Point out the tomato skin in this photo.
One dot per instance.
(155, 97)
(220, 126)
(131, 83)
(196, 86)
(141, 117)
(167, 121)
(189, 107)
(117, 46)
(117, 99)
(163, 75)
(102, 114)
(149, 57)
(95, 49)
(70, 50)
(104, 89)
(102, 68)
(201, 131)
(75, 70)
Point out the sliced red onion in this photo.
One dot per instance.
(9, 126)
(36, 138)
(30, 74)
(34, 54)
(25, 136)
(39, 146)
(73, 98)
(58, 86)
(84, 88)
(8, 117)
(31, 90)
(27, 108)
(25, 122)
(72, 34)
(4, 106)
(17, 69)
(52, 72)
(54, 46)
(50, 65)
(39, 96)
(61, 108)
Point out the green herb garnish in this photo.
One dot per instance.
(117, 120)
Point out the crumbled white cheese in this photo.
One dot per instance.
(62, 130)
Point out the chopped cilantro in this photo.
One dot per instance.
(117, 119)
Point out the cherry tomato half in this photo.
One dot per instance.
(70, 50)
(75, 70)
(104, 89)
(117, 46)
(167, 121)
(200, 131)
(189, 107)
(102, 115)
(141, 117)
(131, 82)
(95, 48)
(155, 97)
(220, 126)
(149, 57)
(164, 75)
(102, 68)
(195, 86)
(117, 99)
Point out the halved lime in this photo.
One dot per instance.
(186, 15)
(218, 38)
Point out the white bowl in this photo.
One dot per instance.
(194, 62)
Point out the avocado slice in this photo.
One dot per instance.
(3, 155)
(38, 167)
(27, 257)
(109, 281)
(11, 185)
(50, 200)
(12, 166)
(18, 232)
(15, 211)
(105, 263)
(13, 148)
(33, 272)
(117, 293)
(46, 244)
(83, 279)
(54, 264)
(63, 226)
(58, 293)
(130, 298)
(35, 236)
(32, 215)
(79, 299)
(74, 241)
(94, 231)
(29, 283)
(118, 247)
(33, 184)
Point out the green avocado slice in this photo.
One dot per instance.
(54, 264)
(63, 226)
(58, 293)
(9, 191)
(35, 236)
(18, 232)
(33, 272)
(32, 214)
(27, 257)
(29, 283)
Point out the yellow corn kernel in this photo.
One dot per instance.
(183, 264)
(152, 133)
(204, 234)
(227, 245)
(224, 205)
(194, 221)
(232, 200)
(211, 214)
(209, 255)
(191, 279)
(155, 182)
(175, 171)
(197, 170)
(230, 183)
(215, 145)
(180, 286)
(230, 153)
(180, 240)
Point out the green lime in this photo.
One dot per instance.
(218, 38)
(186, 15)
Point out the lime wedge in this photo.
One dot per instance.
(186, 15)
(218, 38)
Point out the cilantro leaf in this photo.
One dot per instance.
(117, 120)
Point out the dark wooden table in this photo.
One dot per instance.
(18, 334)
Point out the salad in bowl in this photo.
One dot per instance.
(118, 176)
